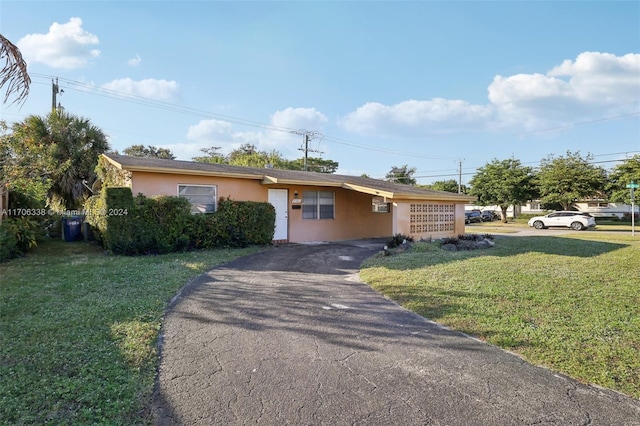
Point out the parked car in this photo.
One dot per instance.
(488, 215)
(573, 220)
(472, 217)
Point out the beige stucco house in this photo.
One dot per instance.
(309, 206)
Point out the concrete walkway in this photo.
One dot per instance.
(290, 336)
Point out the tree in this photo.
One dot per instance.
(212, 156)
(14, 72)
(402, 174)
(503, 183)
(567, 179)
(149, 151)
(450, 185)
(26, 164)
(248, 155)
(315, 164)
(622, 175)
(60, 150)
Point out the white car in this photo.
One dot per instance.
(573, 220)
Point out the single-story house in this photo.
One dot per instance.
(309, 206)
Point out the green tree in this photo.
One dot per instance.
(149, 151)
(248, 155)
(570, 178)
(623, 174)
(212, 156)
(402, 174)
(449, 185)
(503, 183)
(26, 164)
(61, 150)
(314, 164)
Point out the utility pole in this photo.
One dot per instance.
(307, 136)
(55, 89)
(460, 176)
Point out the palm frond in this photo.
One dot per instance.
(14, 72)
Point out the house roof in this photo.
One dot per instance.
(267, 176)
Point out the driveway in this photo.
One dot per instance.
(290, 336)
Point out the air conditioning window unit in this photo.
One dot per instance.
(379, 206)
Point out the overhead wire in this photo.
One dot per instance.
(96, 90)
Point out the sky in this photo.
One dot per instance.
(442, 87)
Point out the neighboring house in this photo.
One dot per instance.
(309, 206)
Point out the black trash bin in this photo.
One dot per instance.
(72, 228)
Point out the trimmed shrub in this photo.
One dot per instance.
(251, 221)
(165, 224)
(119, 208)
(161, 224)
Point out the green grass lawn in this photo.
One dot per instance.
(570, 302)
(79, 329)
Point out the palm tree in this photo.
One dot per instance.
(72, 145)
(14, 72)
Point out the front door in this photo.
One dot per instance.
(279, 198)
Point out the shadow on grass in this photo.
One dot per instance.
(79, 330)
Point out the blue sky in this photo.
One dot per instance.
(425, 83)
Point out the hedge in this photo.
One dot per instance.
(142, 225)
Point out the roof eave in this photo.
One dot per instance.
(368, 190)
(431, 197)
(172, 170)
(271, 180)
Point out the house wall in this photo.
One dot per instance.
(429, 219)
(353, 216)
(151, 184)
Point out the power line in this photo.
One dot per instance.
(167, 106)
(567, 126)
(456, 173)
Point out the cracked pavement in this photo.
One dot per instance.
(290, 336)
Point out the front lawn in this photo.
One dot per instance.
(78, 331)
(570, 302)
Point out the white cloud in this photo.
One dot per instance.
(151, 88)
(65, 46)
(594, 85)
(134, 62)
(415, 118)
(295, 119)
(299, 118)
(211, 132)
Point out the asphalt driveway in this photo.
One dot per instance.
(290, 336)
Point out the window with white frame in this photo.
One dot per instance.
(318, 204)
(202, 197)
